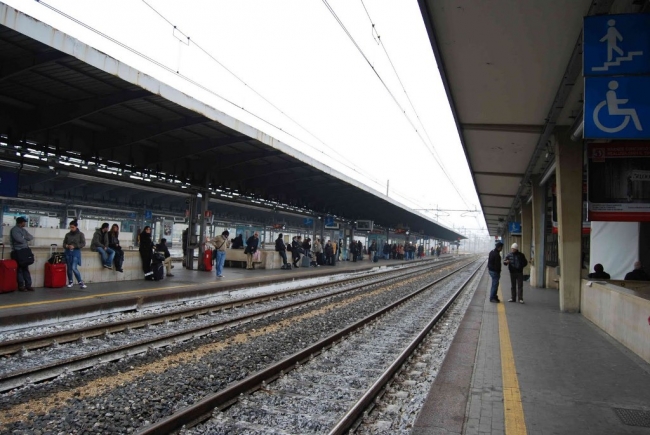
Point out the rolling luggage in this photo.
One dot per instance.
(306, 261)
(55, 271)
(375, 258)
(207, 260)
(8, 273)
(158, 270)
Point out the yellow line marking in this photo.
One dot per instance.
(515, 423)
(81, 298)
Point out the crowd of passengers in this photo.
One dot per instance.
(106, 242)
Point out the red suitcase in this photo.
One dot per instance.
(8, 273)
(207, 259)
(55, 273)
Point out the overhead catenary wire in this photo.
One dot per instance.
(199, 85)
(430, 146)
(177, 73)
(194, 42)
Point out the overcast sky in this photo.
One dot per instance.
(297, 56)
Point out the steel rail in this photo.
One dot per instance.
(13, 346)
(201, 410)
(15, 380)
(357, 410)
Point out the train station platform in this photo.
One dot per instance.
(531, 369)
(46, 306)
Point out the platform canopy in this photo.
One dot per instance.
(513, 75)
(71, 109)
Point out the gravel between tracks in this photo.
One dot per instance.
(120, 397)
(312, 398)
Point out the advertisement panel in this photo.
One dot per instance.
(619, 181)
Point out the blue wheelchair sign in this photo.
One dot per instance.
(617, 107)
(514, 227)
(616, 44)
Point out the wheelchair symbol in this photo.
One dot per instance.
(612, 103)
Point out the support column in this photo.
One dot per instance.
(526, 233)
(568, 156)
(205, 198)
(537, 243)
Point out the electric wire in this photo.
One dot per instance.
(430, 146)
(354, 168)
(193, 82)
(190, 80)
(207, 53)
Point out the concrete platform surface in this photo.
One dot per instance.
(571, 376)
(46, 305)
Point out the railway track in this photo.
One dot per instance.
(129, 338)
(324, 376)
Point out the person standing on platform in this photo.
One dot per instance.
(220, 244)
(638, 274)
(162, 247)
(100, 244)
(72, 243)
(318, 251)
(252, 244)
(494, 269)
(281, 249)
(296, 249)
(20, 252)
(516, 261)
(114, 244)
(372, 250)
(146, 252)
(329, 253)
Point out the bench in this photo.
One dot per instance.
(91, 267)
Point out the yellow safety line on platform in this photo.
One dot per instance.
(81, 298)
(515, 423)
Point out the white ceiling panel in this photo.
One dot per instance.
(500, 151)
(497, 184)
(505, 58)
(497, 201)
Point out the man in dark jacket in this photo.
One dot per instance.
(281, 248)
(252, 244)
(638, 274)
(21, 251)
(295, 251)
(516, 261)
(162, 248)
(100, 244)
(494, 269)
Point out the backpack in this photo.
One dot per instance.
(289, 248)
(57, 258)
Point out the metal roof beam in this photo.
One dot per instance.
(47, 117)
(174, 151)
(21, 65)
(133, 136)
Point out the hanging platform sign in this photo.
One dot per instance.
(619, 181)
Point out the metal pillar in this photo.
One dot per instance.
(191, 231)
(202, 221)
